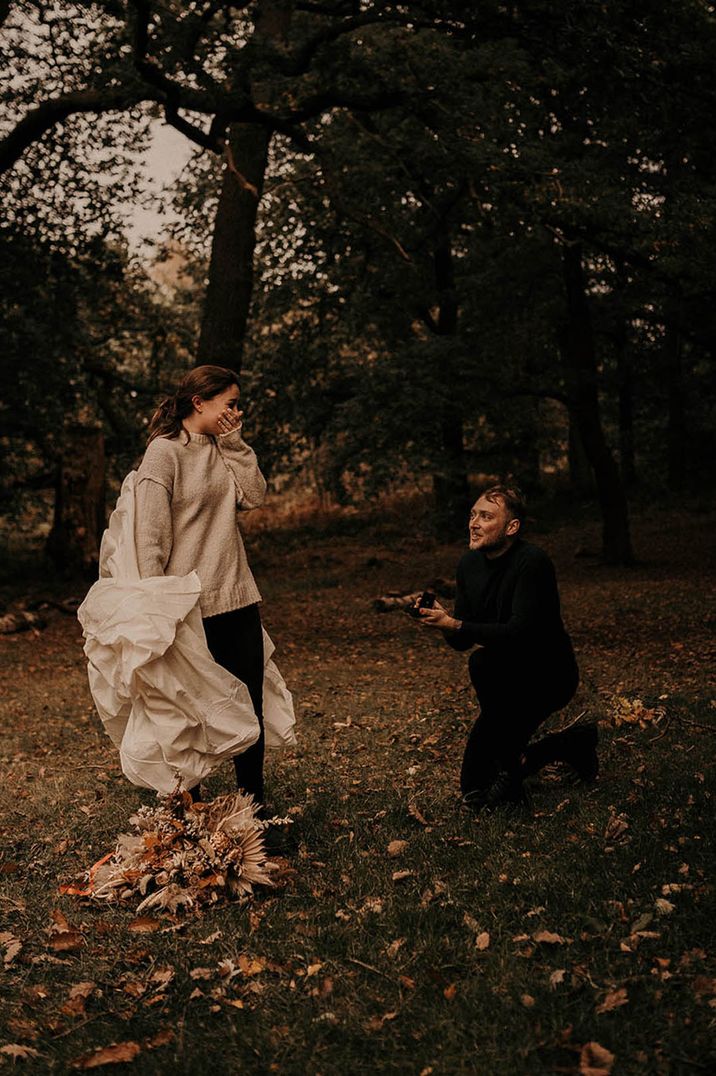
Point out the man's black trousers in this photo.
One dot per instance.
(515, 698)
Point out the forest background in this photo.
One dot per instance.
(436, 241)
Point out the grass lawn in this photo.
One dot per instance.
(575, 940)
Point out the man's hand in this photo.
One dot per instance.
(437, 617)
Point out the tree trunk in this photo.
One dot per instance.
(231, 269)
(451, 492)
(581, 478)
(676, 467)
(74, 541)
(580, 360)
(625, 383)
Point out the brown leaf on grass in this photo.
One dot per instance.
(59, 922)
(108, 1055)
(663, 907)
(400, 876)
(251, 965)
(613, 1000)
(162, 1038)
(392, 949)
(77, 998)
(144, 924)
(417, 814)
(12, 946)
(527, 1000)
(396, 848)
(18, 1052)
(546, 937)
(65, 941)
(407, 982)
(201, 973)
(450, 991)
(210, 938)
(595, 1060)
(556, 978)
(162, 976)
(616, 828)
(482, 941)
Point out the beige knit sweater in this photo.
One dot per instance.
(187, 497)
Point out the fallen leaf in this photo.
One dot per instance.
(162, 1038)
(251, 965)
(108, 1055)
(482, 941)
(595, 1060)
(556, 978)
(17, 1051)
(143, 924)
(416, 813)
(614, 1000)
(12, 946)
(663, 907)
(162, 976)
(527, 1000)
(65, 941)
(201, 973)
(407, 982)
(450, 991)
(211, 938)
(546, 937)
(400, 876)
(396, 848)
(237, 1003)
(59, 921)
(392, 949)
(312, 969)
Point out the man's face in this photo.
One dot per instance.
(491, 526)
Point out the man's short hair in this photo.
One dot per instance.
(512, 498)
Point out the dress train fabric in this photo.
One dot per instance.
(174, 714)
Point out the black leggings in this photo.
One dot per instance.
(514, 701)
(235, 640)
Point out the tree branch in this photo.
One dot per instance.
(44, 117)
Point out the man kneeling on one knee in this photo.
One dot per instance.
(507, 604)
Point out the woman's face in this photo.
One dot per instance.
(209, 411)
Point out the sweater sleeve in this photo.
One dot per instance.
(535, 593)
(242, 465)
(153, 530)
(153, 527)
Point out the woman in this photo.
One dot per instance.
(196, 471)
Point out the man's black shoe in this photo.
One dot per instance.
(581, 751)
(475, 799)
(507, 790)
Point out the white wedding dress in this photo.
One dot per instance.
(171, 710)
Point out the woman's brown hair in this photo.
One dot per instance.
(204, 381)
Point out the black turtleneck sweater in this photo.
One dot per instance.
(510, 605)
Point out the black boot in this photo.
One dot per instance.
(577, 746)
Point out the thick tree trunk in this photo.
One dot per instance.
(581, 478)
(676, 463)
(625, 381)
(74, 541)
(451, 492)
(231, 269)
(580, 360)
